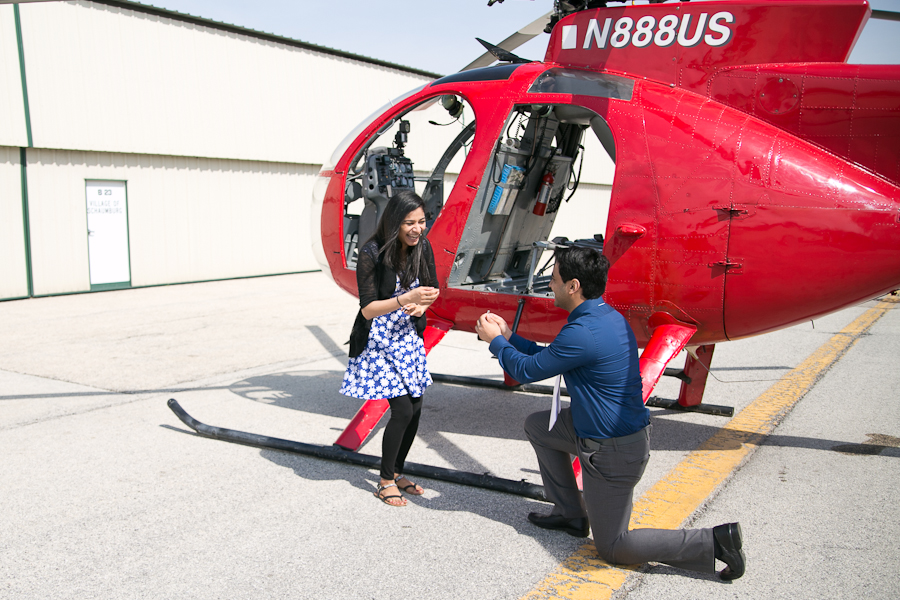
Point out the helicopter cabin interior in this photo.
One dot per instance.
(535, 170)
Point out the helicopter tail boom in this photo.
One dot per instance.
(850, 110)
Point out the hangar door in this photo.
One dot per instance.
(107, 223)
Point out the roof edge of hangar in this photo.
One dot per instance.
(184, 17)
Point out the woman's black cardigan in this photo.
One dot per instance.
(376, 281)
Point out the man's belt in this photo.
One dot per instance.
(637, 436)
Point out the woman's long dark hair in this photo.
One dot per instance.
(410, 266)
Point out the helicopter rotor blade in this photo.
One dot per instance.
(886, 15)
(523, 35)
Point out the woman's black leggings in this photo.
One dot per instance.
(399, 434)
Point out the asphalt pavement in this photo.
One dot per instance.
(106, 493)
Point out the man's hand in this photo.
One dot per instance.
(490, 326)
(500, 322)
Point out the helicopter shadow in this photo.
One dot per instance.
(676, 435)
(449, 412)
(452, 410)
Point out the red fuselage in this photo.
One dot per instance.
(728, 211)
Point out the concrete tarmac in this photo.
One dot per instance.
(105, 493)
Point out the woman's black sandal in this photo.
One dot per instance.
(411, 489)
(386, 499)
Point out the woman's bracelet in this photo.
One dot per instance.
(398, 301)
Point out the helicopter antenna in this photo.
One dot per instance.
(501, 54)
(523, 35)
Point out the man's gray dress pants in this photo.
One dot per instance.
(609, 475)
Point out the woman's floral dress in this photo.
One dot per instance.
(393, 362)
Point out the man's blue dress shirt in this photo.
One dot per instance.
(596, 353)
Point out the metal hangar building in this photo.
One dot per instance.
(142, 147)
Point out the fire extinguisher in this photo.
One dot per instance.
(540, 207)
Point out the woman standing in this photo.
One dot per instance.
(396, 278)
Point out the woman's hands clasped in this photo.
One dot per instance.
(417, 300)
(423, 295)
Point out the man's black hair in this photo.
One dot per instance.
(585, 264)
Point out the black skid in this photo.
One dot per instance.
(489, 482)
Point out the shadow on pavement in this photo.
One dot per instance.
(506, 509)
(453, 409)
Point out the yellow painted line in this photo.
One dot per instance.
(669, 503)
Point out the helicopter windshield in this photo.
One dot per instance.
(422, 149)
(582, 83)
(345, 143)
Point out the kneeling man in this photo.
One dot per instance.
(607, 426)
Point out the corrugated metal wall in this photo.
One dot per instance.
(12, 106)
(13, 273)
(218, 135)
(190, 219)
(113, 80)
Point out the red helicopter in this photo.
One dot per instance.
(757, 176)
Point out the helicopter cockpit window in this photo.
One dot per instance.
(351, 137)
(582, 83)
(422, 149)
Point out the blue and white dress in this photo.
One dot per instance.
(393, 362)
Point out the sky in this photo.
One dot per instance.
(438, 35)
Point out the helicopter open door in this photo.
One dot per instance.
(532, 175)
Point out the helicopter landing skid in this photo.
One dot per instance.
(489, 482)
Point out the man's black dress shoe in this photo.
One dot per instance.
(728, 543)
(578, 527)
